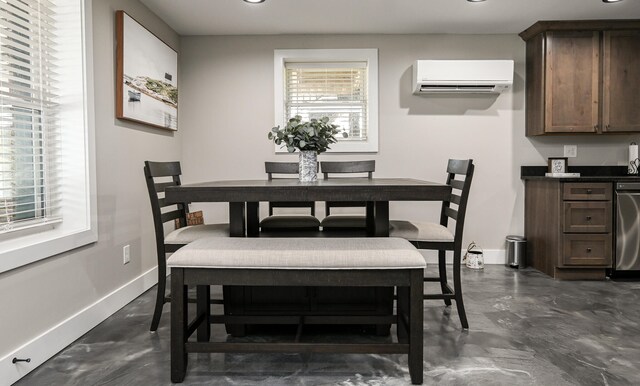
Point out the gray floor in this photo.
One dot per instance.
(526, 329)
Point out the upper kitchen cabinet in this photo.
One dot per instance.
(582, 77)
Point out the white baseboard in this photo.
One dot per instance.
(43, 347)
(491, 256)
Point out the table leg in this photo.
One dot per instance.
(253, 219)
(236, 219)
(370, 218)
(381, 218)
(237, 229)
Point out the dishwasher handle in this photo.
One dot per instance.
(628, 186)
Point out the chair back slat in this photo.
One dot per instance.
(161, 186)
(346, 167)
(368, 166)
(172, 215)
(452, 213)
(163, 169)
(457, 184)
(455, 199)
(280, 168)
(456, 166)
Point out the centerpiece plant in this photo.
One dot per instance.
(310, 138)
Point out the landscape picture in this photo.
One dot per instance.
(147, 76)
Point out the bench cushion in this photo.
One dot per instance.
(298, 253)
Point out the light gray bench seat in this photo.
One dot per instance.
(366, 262)
(298, 253)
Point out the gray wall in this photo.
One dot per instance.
(38, 296)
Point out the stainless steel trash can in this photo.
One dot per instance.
(516, 252)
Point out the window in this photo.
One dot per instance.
(45, 205)
(340, 84)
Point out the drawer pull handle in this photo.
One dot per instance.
(588, 218)
(589, 191)
(588, 250)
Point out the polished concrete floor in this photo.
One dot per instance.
(525, 329)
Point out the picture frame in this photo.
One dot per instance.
(146, 76)
(557, 164)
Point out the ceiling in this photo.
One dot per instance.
(235, 17)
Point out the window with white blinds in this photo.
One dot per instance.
(334, 90)
(341, 84)
(47, 183)
(29, 129)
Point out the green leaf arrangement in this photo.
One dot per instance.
(316, 134)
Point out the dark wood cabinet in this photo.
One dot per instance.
(621, 74)
(568, 226)
(582, 77)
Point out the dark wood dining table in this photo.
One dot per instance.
(244, 197)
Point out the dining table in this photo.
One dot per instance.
(244, 197)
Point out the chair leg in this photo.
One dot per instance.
(457, 289)
(162, 283)
(442, 268)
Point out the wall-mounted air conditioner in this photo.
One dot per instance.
(462, 76)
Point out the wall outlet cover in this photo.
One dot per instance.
(126, 254)
(571, 150)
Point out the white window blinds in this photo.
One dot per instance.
(29, 132)
(335, 90)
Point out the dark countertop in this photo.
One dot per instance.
(587, 173)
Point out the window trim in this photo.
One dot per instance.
(369, 55)
(26, 249)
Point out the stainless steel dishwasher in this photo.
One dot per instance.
(627, 227)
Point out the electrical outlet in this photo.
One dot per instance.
(571, 151)
(126, 256)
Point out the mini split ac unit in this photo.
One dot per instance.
(462, 76)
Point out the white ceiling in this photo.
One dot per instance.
(235, 17)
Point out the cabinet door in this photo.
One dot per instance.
(587, 249)
(587, 216)
(572, 82)
(621, 83)
(594, 191)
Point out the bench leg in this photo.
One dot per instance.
(402, 314)
(416, 311)
(203, 309)
(179, 325)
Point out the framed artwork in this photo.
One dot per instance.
(557, 165)
(146, 76)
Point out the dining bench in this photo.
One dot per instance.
(322, 262)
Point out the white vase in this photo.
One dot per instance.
(308, 167)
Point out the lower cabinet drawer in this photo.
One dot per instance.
(587, 216)
(587, 249)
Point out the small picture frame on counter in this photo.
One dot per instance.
(557, 164)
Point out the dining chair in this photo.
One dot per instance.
(333, 169)
(288, 222)
(159, 176)
(437, 236)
